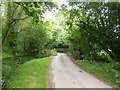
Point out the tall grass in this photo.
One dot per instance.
(109, 72)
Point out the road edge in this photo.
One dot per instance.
(104, 81)
(50, 84)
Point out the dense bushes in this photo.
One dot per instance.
(22, 33)
(91, 30)
(88, 30)
(94, 41)
(25, 35)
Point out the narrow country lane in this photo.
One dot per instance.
(64, 73)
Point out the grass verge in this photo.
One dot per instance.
(32, 74)
(10, 65)
(109, 72)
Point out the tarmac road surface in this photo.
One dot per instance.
(63, 73)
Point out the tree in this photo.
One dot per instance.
(96, 22)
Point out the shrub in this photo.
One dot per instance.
(103, 56)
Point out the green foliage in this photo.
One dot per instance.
(106, 71)
(62, 50)
(91, 28)
(32, 74)
(104, 56)
(6, 70)
(24, 34)
(86, 29)
(10, 65)
(54, 52)
(34, 40)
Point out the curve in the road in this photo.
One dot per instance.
(64, 73)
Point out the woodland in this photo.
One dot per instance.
(87, 31)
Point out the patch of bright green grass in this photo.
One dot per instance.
(109, 72)
(10, 65)
(32, 74)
